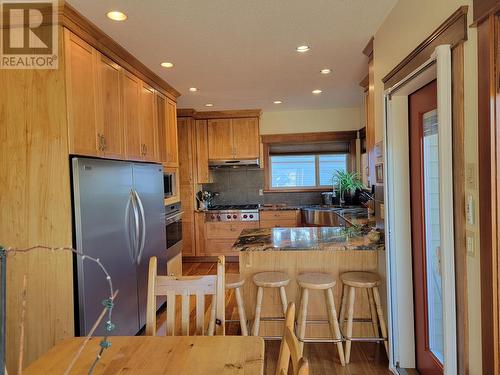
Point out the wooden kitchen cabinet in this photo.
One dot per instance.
(130, 104)
(109, 109)
(171, 133)
(219, 237)
(236, 138)
(166, 123)
(81, 96)
(246, 138)
(201, 137)
(279, 218)
(147, 121)
(161, 125)
(220, 139)
(186, 139)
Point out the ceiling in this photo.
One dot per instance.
(241, 53)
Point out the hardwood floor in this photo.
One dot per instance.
(366, 358)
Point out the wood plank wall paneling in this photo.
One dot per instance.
(459, 208)
(36, 206)
(488, 135)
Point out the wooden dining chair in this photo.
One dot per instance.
(290, 348)
(303, 368)
(185, 287)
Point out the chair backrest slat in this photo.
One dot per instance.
(200, 314)
(290, 348)
(185, 287)
(170, 324)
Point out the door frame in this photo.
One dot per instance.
(398, 221)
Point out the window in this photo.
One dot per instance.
(305, 171)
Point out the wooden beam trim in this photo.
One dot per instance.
(310, 137)
(85, 29)
(368, 50)
(452, 31)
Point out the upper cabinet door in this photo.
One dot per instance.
(148, 123)
(161, 125)
(246, 138)
(81, 96)
(131, 86)
(185, 141)
(109, 110)
(201, 137)
(172, 141)
(220, 139)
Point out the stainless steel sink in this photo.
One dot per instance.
(322, 216)
(328, 216)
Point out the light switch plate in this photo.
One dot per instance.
(469, 209)
(470, 243)
(261, 192)
(470, 176)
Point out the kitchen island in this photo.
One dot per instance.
(332, 250)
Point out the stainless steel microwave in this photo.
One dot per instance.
(169, 183)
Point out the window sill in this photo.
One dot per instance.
(294, 190)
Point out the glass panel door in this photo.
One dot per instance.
(432, 234)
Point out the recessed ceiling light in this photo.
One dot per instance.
(317, 91)
(303, 49)
(325, 71)
(193, 89)
(209, 105)
(116, 15)
(167, 64)
(277, 102)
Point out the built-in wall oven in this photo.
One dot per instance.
(173, 226)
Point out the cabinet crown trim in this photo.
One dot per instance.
(210, 115)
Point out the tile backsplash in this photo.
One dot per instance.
(241, 186)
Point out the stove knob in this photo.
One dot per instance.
(245, 216)
(213, 217)
(235, 216)
(218, 217)
(229, 216)
(251, 216)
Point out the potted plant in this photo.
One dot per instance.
(346, 183)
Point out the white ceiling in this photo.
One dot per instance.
(241, 53)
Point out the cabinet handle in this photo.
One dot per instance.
(100, 146)
(104, 146)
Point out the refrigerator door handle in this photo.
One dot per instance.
(127, 226)
(136, 223)
(143, 231)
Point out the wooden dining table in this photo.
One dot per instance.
(172, 355)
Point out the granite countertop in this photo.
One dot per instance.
(306, 238)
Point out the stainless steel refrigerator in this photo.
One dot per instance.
(119, 217)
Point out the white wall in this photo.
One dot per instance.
(408, 24)
(324, 120)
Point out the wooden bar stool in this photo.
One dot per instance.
(235, 281)
(268, 280)
(319, 281)
(370, 282)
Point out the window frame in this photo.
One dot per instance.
(268, 140)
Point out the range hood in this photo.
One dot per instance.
(233, 163)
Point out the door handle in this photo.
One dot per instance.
(131, 247)
(143, 231)
(136, 223)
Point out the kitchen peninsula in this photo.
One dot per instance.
(333, 250)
